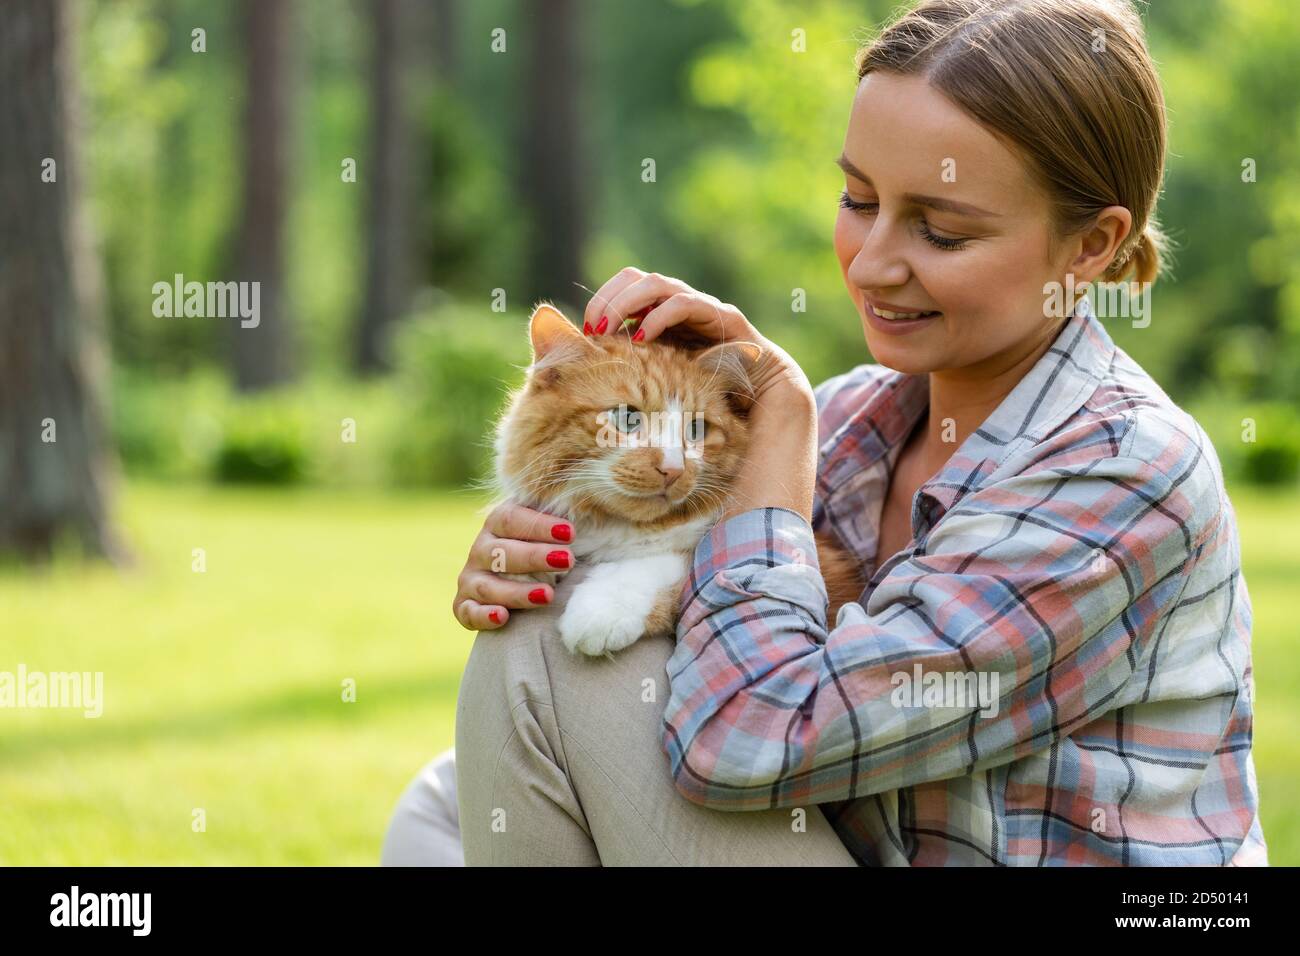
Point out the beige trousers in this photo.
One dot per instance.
(558, 762)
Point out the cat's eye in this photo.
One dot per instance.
(696, 428)
(626, 419)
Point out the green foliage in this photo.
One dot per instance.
(1273, 458)
(323, 431)
(454, 368)
(262, 442)
(1257, 442)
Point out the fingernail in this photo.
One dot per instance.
(538, 596)
(562, 531)
(558, 559)
(586, 327)
(494, 617)
(640, 334)
(602, 325)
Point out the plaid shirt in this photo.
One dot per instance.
(1078, 549)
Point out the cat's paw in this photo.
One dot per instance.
(597, 624)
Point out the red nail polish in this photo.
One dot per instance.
(563, 532)
(538, 596)
(586, 327)
(640, 335)
(558, 559)
(602, 325)
(494, 617)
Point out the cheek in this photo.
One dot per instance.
(849, 233)
(993, 288)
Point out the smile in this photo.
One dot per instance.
(897, 321)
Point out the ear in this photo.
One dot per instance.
(1097, 246)
(548, 329)
(733, 362)
(555, 341)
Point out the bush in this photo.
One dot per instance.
(168, 429)
(1257, 442)
(455, 367)
(429, 424)
(1273, 458)
(262, 442)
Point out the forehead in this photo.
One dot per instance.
(904, 134)
(653, 378)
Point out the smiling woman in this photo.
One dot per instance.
(1030, 512)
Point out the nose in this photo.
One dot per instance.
(670, 466)
(878, 264)
(670, 474)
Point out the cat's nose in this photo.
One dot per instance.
(671, 473)
(671, 465)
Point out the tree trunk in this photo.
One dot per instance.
(551, 152)
(387, 273)
(446, 63)
(55, 467)
(262, 354)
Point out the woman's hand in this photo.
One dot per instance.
(514, 540)
(664, 302)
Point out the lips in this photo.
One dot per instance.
(900, 313)
(897, 320)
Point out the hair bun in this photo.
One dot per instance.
(1144, 259)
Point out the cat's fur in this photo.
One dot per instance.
(557, 452)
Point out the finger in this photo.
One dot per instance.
(702, 314)
(491, 589)
(474, 616)
(509, 520)
(597, 307)
(508, 556)
(645, 293)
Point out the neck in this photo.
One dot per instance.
(961, 399)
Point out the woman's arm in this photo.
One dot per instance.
(1043, 586)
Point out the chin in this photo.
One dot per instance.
(890, 353)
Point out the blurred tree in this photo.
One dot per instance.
(261, 353)
(550, 152)
(1228, 318)
(54, 459)
(389, 185)
(766, 201)
(446, 18)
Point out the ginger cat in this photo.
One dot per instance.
(638, 445)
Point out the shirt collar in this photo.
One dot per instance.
(1054, 388)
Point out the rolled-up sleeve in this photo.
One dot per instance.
(1039, 589)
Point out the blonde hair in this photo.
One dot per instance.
(1069, 84)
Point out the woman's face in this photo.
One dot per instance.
(949, 223)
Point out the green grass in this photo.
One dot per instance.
(223, 689)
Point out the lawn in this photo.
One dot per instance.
(223, 690)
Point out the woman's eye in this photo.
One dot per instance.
(626, 420)
(938, 241)
(847, 203)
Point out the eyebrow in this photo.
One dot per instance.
(931, 202)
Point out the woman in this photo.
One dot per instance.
(1031, 508)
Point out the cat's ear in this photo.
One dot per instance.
(548, 329)
(733, 363)
(555, 342)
